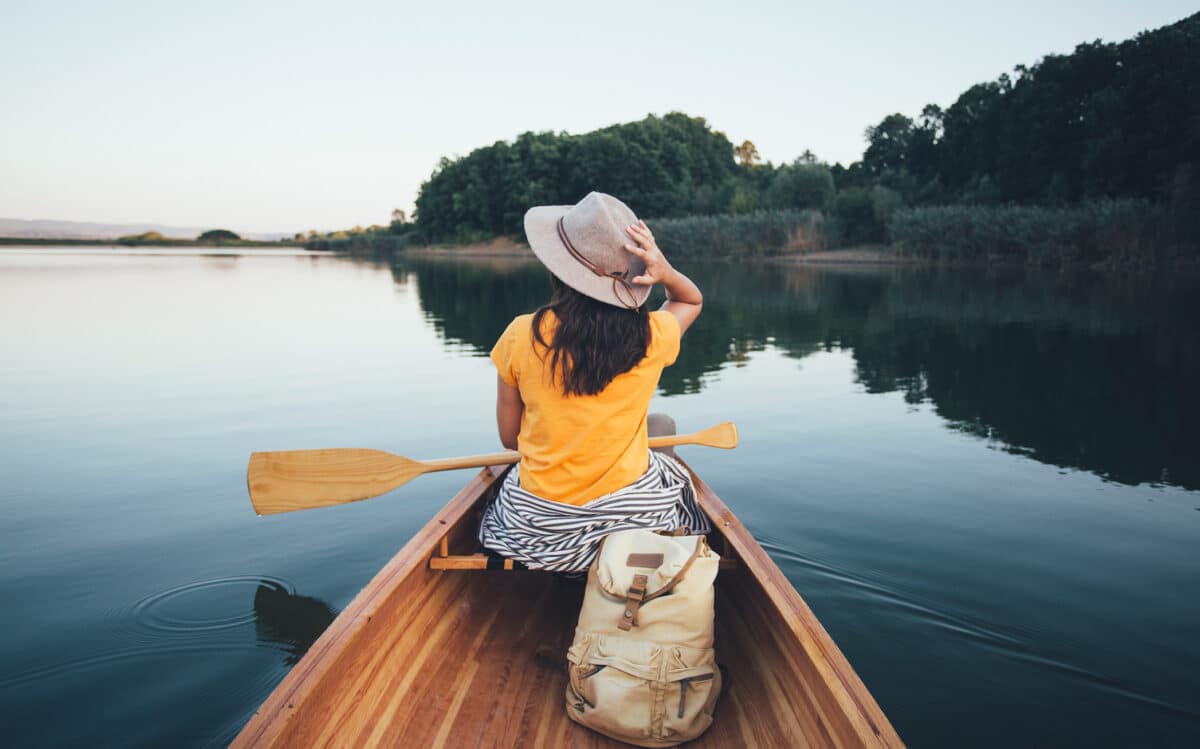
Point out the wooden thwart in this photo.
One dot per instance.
(481, 561)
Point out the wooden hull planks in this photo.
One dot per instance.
(445, 657)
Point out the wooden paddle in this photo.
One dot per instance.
(289, 480)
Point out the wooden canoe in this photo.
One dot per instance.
(437, 652)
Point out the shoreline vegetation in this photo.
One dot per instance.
(509, 250)
(213, 238)
(44, 242)
(1083, 159)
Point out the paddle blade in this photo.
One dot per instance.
(723, 435)
(289, 480)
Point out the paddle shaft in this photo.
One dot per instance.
(512, 456)
(288, 480)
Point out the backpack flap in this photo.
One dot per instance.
(642, 564)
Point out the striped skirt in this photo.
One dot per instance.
(547, 535)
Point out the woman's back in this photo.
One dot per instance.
(573, 392)
(576, 448)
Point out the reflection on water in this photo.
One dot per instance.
(288, 620)
(1092, 373)
(920, 454)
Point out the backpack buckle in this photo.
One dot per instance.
(633, 601)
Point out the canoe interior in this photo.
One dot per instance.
(446, 658)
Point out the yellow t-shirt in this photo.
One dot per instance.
(579, 447)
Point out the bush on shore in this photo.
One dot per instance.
(218, 235)
(756, 234)
(146, 237)
(365, 242)
(1107, 232)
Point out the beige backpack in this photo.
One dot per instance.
(641, 667)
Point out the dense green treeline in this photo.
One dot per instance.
(1108, 120)
(665, 166)
(1104, 140)
(1100, 149)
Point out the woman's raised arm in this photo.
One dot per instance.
(684, 299)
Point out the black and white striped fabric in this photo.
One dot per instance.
(555, 536)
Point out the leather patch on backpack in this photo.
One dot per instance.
(644, 561)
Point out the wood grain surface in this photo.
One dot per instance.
(445, 658)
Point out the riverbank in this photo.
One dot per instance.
(497, 247)
(870, 254)
(508, 249)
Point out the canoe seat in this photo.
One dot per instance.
(476, 561)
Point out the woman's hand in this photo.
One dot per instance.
(658, 270)
(683, 297)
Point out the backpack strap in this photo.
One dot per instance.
(633, 600)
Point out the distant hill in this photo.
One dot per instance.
(49, 229)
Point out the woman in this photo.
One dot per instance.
(573, 390)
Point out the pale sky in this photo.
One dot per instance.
(289, 116)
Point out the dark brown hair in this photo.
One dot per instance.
(593, 342)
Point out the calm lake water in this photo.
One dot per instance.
(987, 486)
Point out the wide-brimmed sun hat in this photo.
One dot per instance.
(584, 246)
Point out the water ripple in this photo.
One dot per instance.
(166, 623)
(169, 610)
(1007, 642)
(78, 665)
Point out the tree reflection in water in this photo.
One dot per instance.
(1090, 372)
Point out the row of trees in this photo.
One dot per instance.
(665, 166)
(1111, 120)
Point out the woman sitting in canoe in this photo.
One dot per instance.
(574, 387)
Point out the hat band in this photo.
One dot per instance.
(616, 276)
